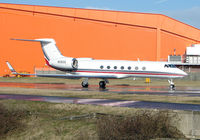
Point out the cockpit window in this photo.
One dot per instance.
(166, 66)
(170, 66)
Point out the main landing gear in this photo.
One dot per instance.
(85, 83)
(172, 85)
(102, 84)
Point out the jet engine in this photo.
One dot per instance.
(64, 64)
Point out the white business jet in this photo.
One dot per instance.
(102, 69)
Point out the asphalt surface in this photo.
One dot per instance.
(122, 89)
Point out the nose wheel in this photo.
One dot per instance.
(172, 85)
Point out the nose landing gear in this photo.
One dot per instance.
(172, 85)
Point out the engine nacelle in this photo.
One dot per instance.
(64, 63)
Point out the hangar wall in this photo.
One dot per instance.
(98, 34)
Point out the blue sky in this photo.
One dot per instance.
(187, 11)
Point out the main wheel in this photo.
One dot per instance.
(85, 84)
(102, 84)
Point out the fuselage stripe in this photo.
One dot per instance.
(136, 73)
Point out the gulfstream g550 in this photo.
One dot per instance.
(102, 69)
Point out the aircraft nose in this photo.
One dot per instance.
(184, 73)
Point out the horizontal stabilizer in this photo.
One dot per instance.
(49, 48)
(33, 40)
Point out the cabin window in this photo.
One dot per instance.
(136, 68)
(143, 68)
(122, 67)
(115, 67)
(129, 68)
(170, 66)
(101, 67)
(108, 67)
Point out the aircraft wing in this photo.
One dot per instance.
(75, 76)
(67, 75)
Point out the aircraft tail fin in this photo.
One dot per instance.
(11, 68)
(49, 48)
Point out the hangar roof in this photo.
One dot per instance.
(145, 20)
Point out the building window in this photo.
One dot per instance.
(122, 67)
(115, 67)
(108, 67)
(129, 68)
(136, 68)
(101, 67)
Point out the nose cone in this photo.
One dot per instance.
(183, 73)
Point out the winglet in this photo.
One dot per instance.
(11, 68)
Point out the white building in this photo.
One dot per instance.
(193, 54)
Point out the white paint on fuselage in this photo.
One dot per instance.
(145, 69)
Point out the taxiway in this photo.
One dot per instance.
(121, 89)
